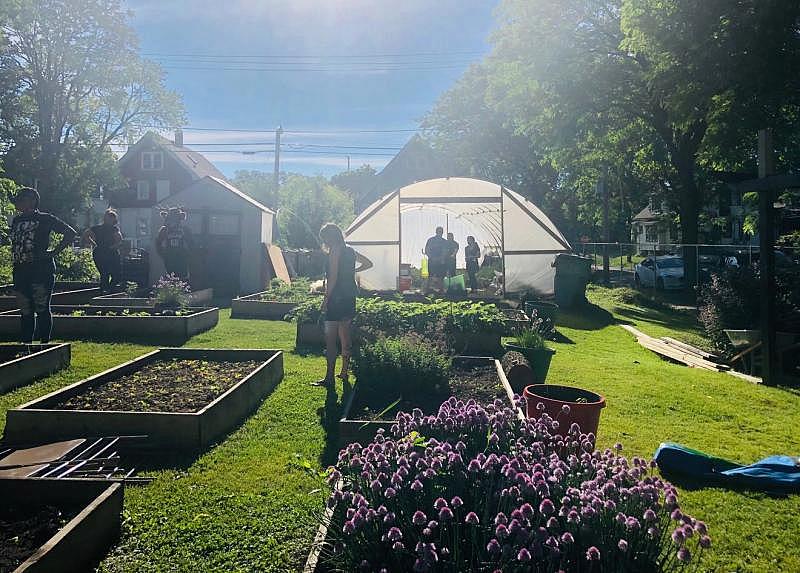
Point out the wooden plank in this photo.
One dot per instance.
(689, 348)
(672, 352)
(278, 263)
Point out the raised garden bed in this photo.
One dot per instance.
(180, 398)
(196, 298)
(24, 363)
(57, 526)
(255, 306)
(473, 377)
(120, 323)
(8, 300)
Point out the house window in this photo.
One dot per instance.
(162, 189)
(651, 233)
(220, 224)
(152, 160)
(143, 190)
(142, 225)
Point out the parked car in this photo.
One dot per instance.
(660, 272)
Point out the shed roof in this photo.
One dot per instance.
(223, 185)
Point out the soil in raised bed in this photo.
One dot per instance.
(479, 383)
(163, 386)
(139, 311)
(9, 354)
(23, 531)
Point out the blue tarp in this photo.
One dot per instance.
(769, 474)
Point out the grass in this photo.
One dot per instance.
(251, 503)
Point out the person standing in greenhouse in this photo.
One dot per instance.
(34, 266)
(452, 251)
(339, 304)
(436, 251)
(106, 239)
(472, 252)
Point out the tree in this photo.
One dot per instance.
(305, 204)
(357, 183)
(72, 83)
(259, 185)
(680, 76)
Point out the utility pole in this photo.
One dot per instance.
(766, 167)
(603, 189)
(277, 175)
(348, 164)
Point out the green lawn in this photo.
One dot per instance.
(250, 504)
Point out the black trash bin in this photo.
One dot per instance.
(572, 275)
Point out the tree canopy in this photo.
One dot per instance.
(71, 83)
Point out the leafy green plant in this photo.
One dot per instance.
(72, 265)
(131, 289)
(172, 292)
(404, 365)
(529, 338)
(298, 291)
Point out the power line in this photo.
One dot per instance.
(315, 70)
(272, 131)
(308, 56)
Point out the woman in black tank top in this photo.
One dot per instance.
(339, 304)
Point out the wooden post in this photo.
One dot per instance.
(766, 234)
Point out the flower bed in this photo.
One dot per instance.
(57, 526)
(180, 398)
(196, 298)
(24, 363)
(470, 377)
(474, 488)
(476, 327)
(121, 323)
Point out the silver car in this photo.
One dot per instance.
(660, 272)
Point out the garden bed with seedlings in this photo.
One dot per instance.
(24, 363)
(274, 303)
(154, 326)
(57, 526)
(473, 328)
(200, 297)
(180, 398)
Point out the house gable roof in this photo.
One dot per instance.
(224, 185)
(193, 162)
(647, 214)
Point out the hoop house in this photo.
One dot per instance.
(393, 230)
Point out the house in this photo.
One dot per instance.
(230, 233)
(230, 229)
(155, 169)
(652, 227)
(417, 161)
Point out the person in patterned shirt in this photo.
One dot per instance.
(34, 265)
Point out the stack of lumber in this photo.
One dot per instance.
(678, 351)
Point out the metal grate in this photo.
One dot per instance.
(95, 458)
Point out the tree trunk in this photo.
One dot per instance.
(690, 203)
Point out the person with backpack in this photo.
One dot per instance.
(174, 242)
(34, 266)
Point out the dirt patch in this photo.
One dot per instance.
(163, 386)
(22, 532)
(476, 382)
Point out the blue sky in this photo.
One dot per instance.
(378, 65)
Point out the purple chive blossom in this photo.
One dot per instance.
(623, 545)
(472, 518)
(547, 507)
(565, 409)
(567, 538)
(684, 555)
(705, 541)
(456, 502)
(445, 514)
(416, 486)
(439, 503)
(394, 534)
(524, 555)
(398, 546)
(593, 554)
(540, 407)
(649, 515)
(419, 518)
(493, 546)
(390, 492)
(678, 537)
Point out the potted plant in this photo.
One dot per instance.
(570, 405)
(531, 344)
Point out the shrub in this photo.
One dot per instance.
(405, 364)
(298, 291)
(172, 292)
(76, 265)
(5, 264)
(473, 488)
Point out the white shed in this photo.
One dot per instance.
(393, 230)
(230, 232)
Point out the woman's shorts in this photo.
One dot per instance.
(340, 309)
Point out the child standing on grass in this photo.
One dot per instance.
(34, 266)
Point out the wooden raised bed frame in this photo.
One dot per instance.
(44, 360)
(86, 538)
(196, 298)
(252, 306)
(185, 431)
(8, 300)
(355, 430)
(166, 330)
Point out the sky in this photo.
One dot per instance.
(341, 77)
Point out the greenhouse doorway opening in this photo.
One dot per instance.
(394, 229)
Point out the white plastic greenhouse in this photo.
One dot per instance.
(393, 230)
